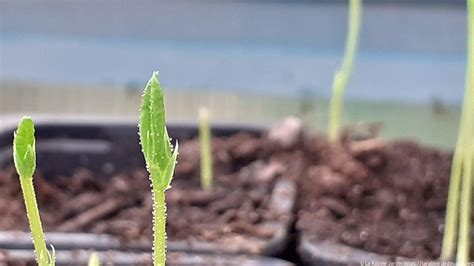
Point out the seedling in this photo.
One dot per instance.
(24, 157)
(342, 75)
(94, 260)
(459, 205)
(206, 154)
(160, 160)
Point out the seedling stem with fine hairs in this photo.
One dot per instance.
(24, 156)
(160, 160)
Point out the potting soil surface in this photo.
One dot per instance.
(386, 198)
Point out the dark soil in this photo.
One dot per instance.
(122, 205)
(386, 198)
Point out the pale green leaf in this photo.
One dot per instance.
(24, 153)
(154, 137)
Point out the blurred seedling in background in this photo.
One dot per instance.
(160, 160)
(458, 210)
(342, 75)
(24, 156)
(206, 149)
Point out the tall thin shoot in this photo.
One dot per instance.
(459, 205)
(206, 149)
(24, 156)
(342, 75)
(160, 160)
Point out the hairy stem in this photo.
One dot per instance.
(34, 219)
(159, 226)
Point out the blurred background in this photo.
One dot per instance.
(248, 61)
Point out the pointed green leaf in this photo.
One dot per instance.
(154, 137)
(24, 153)
(170, 168)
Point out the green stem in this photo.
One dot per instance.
(34, 219)
(452, 211)
(465, 213)
(206, 153)
(94, 260)
(466, 188)
(343, 74)
(335, 109)
(159, 226)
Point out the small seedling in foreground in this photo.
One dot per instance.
(459, 205)
(342, 75)
(24, 156)
(206, 149)
(94, 260)
(160, 160)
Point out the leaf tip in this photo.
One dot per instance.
(24, 156)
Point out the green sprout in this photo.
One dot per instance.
(94, 260)
(24, 157)
(458, 208)
(160, 160)
(342, 75)
(206, 149)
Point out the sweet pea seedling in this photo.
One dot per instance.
(206, 149)
(342, 75)
(458, 210)
(94, 260)
(160, 160)
(24, 157)
(462, 171)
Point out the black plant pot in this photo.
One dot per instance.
(107, 147)
(81, 257)
(323, 252)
